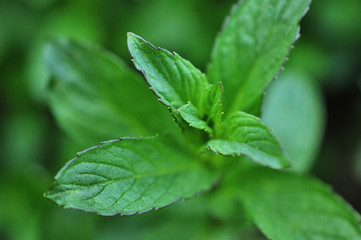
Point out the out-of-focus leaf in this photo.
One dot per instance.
(245, 134)
(129, 176)
(192, 215)
(76, 20)
(252, 47)
(189, 214)
(74, 224)
(94, 96)
(287, 206)
(293, 108)
(173, 79)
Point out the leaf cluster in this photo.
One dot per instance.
(94, 97)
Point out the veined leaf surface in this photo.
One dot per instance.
(129, 176)
(173, 79)
(245, 134)
(252, 47)
(212, 104)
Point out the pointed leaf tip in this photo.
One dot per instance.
(129, 176)
(173, 79)
(93, 87)
(252, 47)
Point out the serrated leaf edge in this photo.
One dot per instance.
(118, 213)
(225, 22)
(208, 148)
(287, 157)
(172, 54)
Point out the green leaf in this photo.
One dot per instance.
(293, 108)
(129, 176)
(212, 104)
(252, 47)
(287, 206)
(191, 115)
(173, 79)
(209, 114)
(245, 134)
(94, 96)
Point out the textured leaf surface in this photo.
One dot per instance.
(245, 134)
(94, 96)
(293, 108)
(129, 176)
(191, 115)
(173, 79)
(212, 104)
(287, 206)
(252, 47)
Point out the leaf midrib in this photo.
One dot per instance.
(240, 93)
(137, 176)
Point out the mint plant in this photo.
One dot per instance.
(94, 96)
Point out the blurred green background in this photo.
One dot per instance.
(314, 107)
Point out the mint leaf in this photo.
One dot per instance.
(209, 115)
(191, 115)
(212, 104)
(286, 206)
(245, 134)
(293, 108)
(94, 96)
(252, 47)
(129, 176)
(173, 79)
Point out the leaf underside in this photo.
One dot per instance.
(129, 176)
